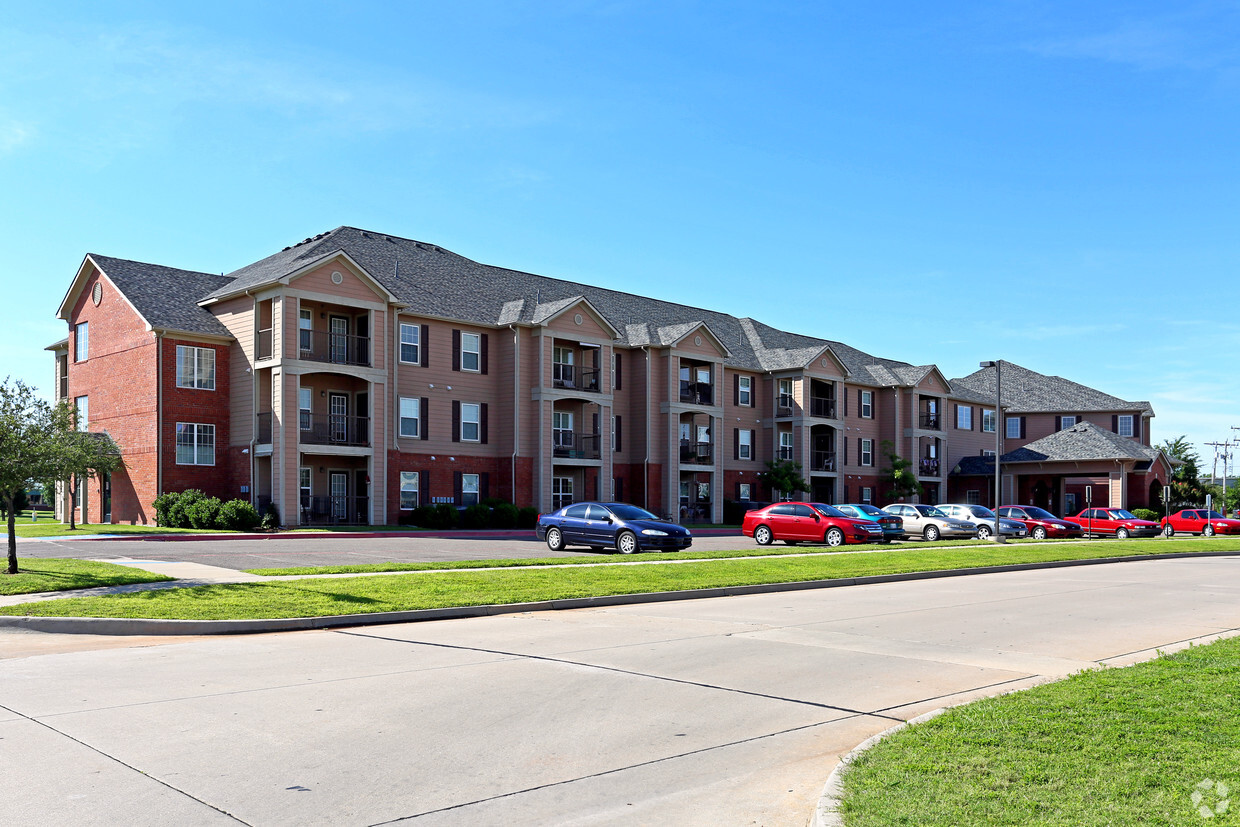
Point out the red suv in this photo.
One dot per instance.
(1199, 521)
(807, 522)
(1040, 522)
(1114, 522)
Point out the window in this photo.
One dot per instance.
(867, 404)
(303, 478)
(988, 421)
(196, 367)
(469, 489)
(744, 446)
(785, 393)
(81, 341)
(785, 444)
(1013, 427)
(410, 343)
(988, 452)
(305, 326)
(562, 429)
(1125, 425)
(964, 417)
(743, 491)
(744, 391)
(471, 352)
(867, 452)
(561, 491)
(867, 494)
(410, 417)
(195, 444)
(81, 405)
(470, 419)
(304, 396)
(409, 490)
(1066, 422)
(973, 496)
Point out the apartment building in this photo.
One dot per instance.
(354, 376)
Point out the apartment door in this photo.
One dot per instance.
(338, 487)
(361, 496)
(339, 339)
(105, 489)
(338, 410)
(361, 426)
(361, 329)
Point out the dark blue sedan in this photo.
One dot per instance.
(598, 525)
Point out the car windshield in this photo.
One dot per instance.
(827, 510)
(1039, 513)
(981, 511)
(873, 511)
(930, 511)
(631, 512)
(1214, 515)
(1121, 514)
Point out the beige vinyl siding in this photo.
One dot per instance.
(238, 316)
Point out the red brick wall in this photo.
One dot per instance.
(192, 405)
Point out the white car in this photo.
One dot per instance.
(984, 518)
(927, 522)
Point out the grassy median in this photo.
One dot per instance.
(52, 575)
(1108, 747)
(311, 597)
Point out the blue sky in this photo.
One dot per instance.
(1052, 184)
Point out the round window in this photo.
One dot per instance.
(336, 277)
(697, 340)
(578, 319)
(96, 294)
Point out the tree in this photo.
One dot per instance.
(83, 455)
(898, 477)
(784, 476)
(30, 434)
(1187, 490)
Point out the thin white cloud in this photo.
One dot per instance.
(1194, 39)
(13, 135)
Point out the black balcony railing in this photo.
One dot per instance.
(264, 344)
(929, 467)
(783, 452)
(572, 445)
(337, 348)
(821, 406)
(783, 404)
(697, 393)
(334, 429)
(335, 510)
(263, 428)
(574, 377)
(931, 422)
(822, 461)
(696, 452)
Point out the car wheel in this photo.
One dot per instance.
(1209, 531)
(626, 542)
(931, 533)
(555, 540)
(1039, 533)
(1121, 534)
(834, 537)
(762, 535)
(1168, 530)
(983, 532)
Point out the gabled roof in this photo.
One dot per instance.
(1027, 391)
(1083, 441)
(164, 297)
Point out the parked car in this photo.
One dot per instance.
(984, 518)
(807, 522)
(1199, 521)
(892, 526)
(1114, 522)
(599, 525)
(1041, 523)
(926, 521)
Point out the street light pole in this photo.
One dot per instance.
(998, 535)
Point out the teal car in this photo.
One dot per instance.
(893, 526)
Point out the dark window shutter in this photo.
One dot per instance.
(456, 349)
(619, 492)
(860, 408)
(482, 426)
(484, 486)
(957, 415)
(619, 374)
(457, 493)
(860, 456)
(1115, 423)
(619, 433)
(1022, 427)
(1136, 425)
(594, 424)
(753, 444)
(973, 424)
(1058, 423)
(424, 415)
(736, 390)
(483, 357)
(845, 401)
(845, 441)
(425, 343)
(456, 420)
(845, 493)
(424, 487)
(736, 443)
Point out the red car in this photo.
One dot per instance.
(1040, 522)
(1115, 522)
(1199, 521)
(807, 522)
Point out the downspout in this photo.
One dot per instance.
(646, 461)
(516, 406)
(159, 414)
(254, 401)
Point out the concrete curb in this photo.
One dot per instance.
(515, 534)
(144, 626)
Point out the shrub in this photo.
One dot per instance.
(172, 508)
(271, 516)
(204, 512)
(446, 516)
(163, 507)
(423, 516)
(238, 515)
(1146, 514)
(526, 517)
(476, 516)
(504, 515)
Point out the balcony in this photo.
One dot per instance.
(783, 405)
(701, 453)
(336, 348)
(263, 428)
(334, 429)
(697, 393)
(572, 445)
(574, 378)
(264, 345)
(931, 422)
(929, 468)
(822, 461)
(338, 510)
(822, 407)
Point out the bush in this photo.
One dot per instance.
(204, 512)
(163, 508)
(476, 516)
(172, 508)
(271, 517)
(1146, 514)
(504, 515)
(423, 516)
(446, 516)
(527, 517)
(238, 515)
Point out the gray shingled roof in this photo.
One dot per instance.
(165, 296)
(1083, 441)
(1027, 391)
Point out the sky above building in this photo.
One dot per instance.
(1048, 183)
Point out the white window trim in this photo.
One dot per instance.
(1007, 427)
(465, 486)
(1120, 424)
(867, 453)
(964, 417)
(867, 494)
(476, 353)
(744, 391)
(308, 411)
(412, 475)
(417, 418)
(745, 444)
(197, 431)
(416, 344)
(477, 423)
(988, 415)
(81, 411)
(867, 404)
(1066, 422)
(198, 353)
(81, 341)
(745, 492)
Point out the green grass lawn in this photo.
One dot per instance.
(49, 526)
(1109, 747)
(52, 575)
(460, 586)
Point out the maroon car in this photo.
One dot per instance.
(1040, 522)
(1114, 522)
(1199, 521)
(808, 522)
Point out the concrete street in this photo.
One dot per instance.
(726, 711)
